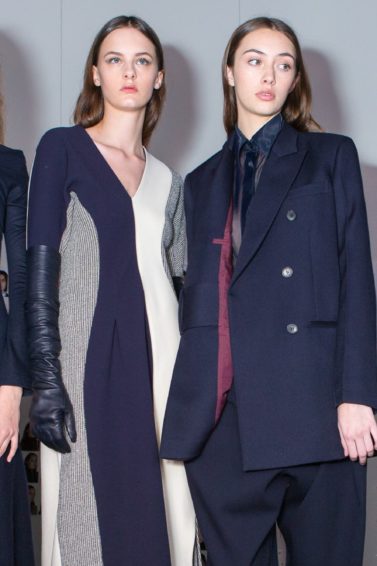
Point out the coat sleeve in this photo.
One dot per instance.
(14, 363)
(174, 235)
(47, 195)
(356, 362)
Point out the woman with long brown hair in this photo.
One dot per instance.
(106, 243)
(275, 379)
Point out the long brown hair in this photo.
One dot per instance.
(90, 106)
(297, 107)
(1, 119)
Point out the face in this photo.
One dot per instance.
(263, 74)
(3, 282)
(127, 70)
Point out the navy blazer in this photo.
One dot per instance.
(13, 198)
(294, 325)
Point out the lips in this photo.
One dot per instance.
(265, 95)
(129, 88)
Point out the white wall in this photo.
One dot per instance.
(44, 43)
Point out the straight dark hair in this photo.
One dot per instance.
(297, 107)
(1, 119)
(89, 108)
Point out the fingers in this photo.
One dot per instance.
(70, 424)
(53, 437)
(361, 451)
(358, 431)
(4, 442)
(373, 432)
(344, 443)
(13, 448)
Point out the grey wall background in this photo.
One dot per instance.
(44, 43)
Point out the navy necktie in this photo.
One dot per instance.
(249, 157)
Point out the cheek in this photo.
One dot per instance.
(287, 85)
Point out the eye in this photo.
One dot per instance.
(143, 61)
(285, 66)
(113, 60)
(254, 61)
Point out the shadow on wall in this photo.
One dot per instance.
(328, 112)
(369, 173)
(326, 106)
(20, 101)
(178, 124)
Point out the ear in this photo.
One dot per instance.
(230, 76)
(95, 75)
(159, 80)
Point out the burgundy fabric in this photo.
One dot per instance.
(224, 366)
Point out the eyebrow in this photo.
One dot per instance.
(121, 54)
(284, 54)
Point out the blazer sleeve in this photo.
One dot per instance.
(357, 315)
(14, 361)
(48, 198)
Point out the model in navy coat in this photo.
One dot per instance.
(15, 530)
(312, 333)
(286, 331)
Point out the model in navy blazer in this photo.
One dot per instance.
(275, 378)
(301, 345)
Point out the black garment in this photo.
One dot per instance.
(16, 548)
(13, 197)
(15, 531)
(249, 159)
(317, 506)
(51, 412)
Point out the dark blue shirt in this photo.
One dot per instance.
(249, 159)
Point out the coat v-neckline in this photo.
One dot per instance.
(107, 167)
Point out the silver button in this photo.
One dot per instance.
(250, 163)
(291, 215)
(287, 272)
(292, 328)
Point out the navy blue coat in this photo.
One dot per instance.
(13, 198)
(294, 325)
(15, 529)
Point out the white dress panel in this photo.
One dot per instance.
(149, 205)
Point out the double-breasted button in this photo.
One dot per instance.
(292, 328)
(287, 272)
(291, 215)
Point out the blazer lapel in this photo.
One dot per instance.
(278, 174)
(217, 203)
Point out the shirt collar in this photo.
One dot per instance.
(261, 141)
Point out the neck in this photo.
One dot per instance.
(249, 125)
(121, 129)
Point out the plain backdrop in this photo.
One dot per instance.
(44, 44)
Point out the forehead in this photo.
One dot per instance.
(127, 40)
(268, 41)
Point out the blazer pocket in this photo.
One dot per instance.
(198, 306)
(310, 189)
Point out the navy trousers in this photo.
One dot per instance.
(16, 548)
(320, 508)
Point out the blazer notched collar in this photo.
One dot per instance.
(278, 175)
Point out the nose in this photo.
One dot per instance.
(129, 70)
(269, 75)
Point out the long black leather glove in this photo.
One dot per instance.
(51, 410)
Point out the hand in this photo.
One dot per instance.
(51, 414)
(10, 399)
(358, 431)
